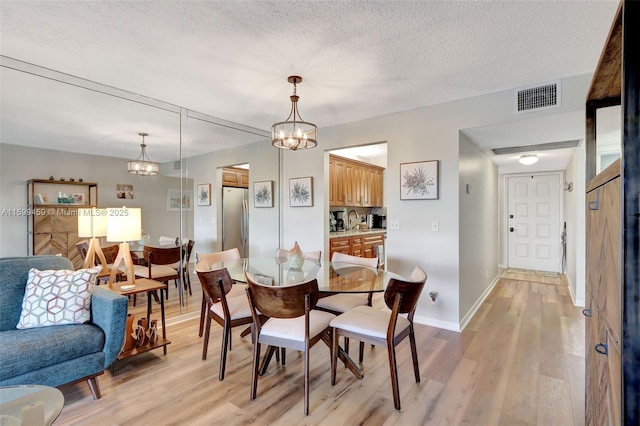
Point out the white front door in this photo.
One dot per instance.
(533, 222)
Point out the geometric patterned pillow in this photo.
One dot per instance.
(56, 297)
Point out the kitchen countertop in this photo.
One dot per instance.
(339, 234)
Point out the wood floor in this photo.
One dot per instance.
(519, 362)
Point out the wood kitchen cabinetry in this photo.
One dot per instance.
(353, 183)
(235, 177)
(361, 245)
(52, 226)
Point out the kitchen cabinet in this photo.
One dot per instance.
(52, 216)
(356, 246)
(361, 245)
(235, 177)
(342, 245)
(353, 183)
(369, 244)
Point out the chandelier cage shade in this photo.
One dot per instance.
(294, 133)
(143, 165)
(528, 159)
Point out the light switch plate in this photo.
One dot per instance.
(435, 226)
(393, 225)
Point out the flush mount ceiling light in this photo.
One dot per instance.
(143, 165)
(294, 133)
(528, 159)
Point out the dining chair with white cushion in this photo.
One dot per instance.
(381, 327)
(343, 302)
(292, 323)
(210, 259)
(228, 312)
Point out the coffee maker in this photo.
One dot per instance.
(339, 220)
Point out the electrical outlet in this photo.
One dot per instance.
(435, 226)
(393, 225)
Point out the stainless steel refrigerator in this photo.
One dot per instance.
(235, 219)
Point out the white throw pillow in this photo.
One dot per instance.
(56, 297)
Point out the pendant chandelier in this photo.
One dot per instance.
(143, 165)
(294, 133)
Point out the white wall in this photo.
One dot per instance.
(574, 215)
(264, 229)
(429, 133)
(478, 227)
(19, 164)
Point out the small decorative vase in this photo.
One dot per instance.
(295, 257)
(295, 275)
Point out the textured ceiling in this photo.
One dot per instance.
(231, 59)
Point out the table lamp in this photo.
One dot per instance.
(92, 223)
(123, 224)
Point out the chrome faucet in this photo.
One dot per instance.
(349, 219)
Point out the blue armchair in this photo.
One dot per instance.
(60, 354)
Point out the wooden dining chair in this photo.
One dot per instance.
(187, 248)
(159, 261)
(210, 259)
(380, 327)
(292, 323)
(228, 312)
(340, 303)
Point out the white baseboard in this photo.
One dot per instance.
(576, 302)
(479, 302)
(432, 322)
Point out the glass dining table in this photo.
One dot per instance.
(333, 277)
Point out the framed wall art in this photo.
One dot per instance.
(263, 194)
(204, 194)
(124, 191)
(177, 201)
(419, 180)
(301, 192)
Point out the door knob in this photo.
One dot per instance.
(511, 229)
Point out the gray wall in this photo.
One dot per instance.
(478, 227)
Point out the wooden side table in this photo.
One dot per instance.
(149, 286)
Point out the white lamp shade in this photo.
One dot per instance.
(92, 223)
(124, 224)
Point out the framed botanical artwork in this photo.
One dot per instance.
(301, 192)
(204, 194)
(177, 201)
(263, 193)
(419, 180)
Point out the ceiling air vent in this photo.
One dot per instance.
(537, 98)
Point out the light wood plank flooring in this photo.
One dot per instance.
(519, 362)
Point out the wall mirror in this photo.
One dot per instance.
(63, 126)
